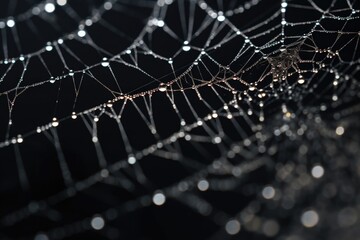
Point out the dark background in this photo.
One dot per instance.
(113, 34)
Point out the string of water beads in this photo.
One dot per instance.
(238, 105)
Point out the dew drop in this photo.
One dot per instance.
(97, 223)
(48, 47)
(19, 139)
(131, 160)
(61, 2)
(10, 23)
(49, 7)
(301, 80)
(317, 171)
(186, 48)
(310, 218)
(55, 122)
(105, 62)
(81, 33)
(268, 192)
(221, 17)
(203, 185)
(159, 199)
(162, 87)
(232, 227)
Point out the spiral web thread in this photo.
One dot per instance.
(282, 100)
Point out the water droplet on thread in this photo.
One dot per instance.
(105, 62)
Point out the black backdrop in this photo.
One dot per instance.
(38, 105)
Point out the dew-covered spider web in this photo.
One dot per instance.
(180, 119)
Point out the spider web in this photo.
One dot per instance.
(179, 119)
